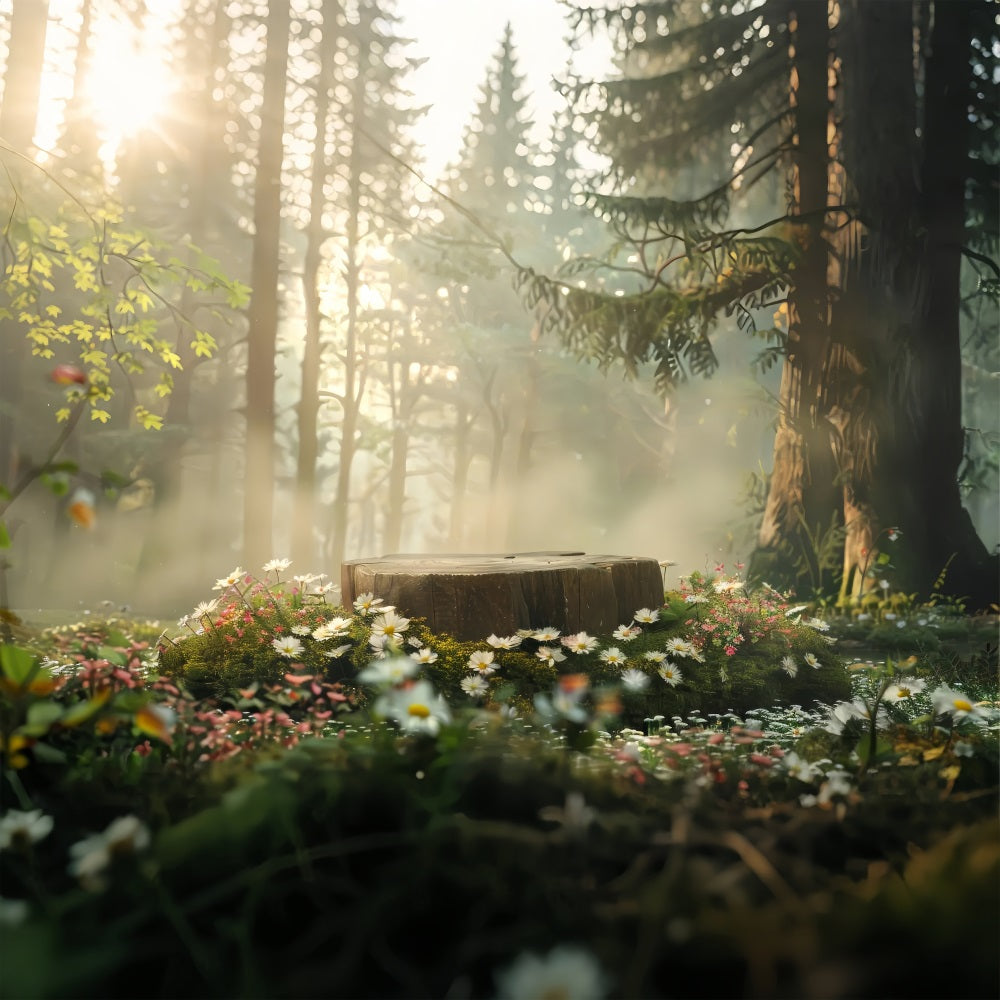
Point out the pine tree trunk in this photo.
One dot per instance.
(18, 116)
(803, 501)
(23, 80)
(405, 397)
(354, 373)
(258, 499)
(460, 474)
(304, 518)
(948, 532)
(904, 294)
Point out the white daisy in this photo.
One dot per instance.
(626, 633)
(277, 565)
(580, 643)
(417, 709)
(424, 655)
(903, 691)
(333, 654)
(550, 655)
(789, 665)
(654, 656)
(680, 647)
(798, 768)
(387, 672)
(475, 685)
(125, 835)
(670, 673)
(504, 641)
(811, 660)
(567, 971)
(300, 630)
(634, 680)
(563, 703)
(287, 645)
(381, 645)
(367, 602)
(614, 656)
(841, 713)
(547, 634)
(20, 829)
(229, 581)
(956, 703)
(646, 615)
(390, 625)
(482, 662)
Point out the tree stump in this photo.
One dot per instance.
(471, 596)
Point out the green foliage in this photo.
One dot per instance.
(732, 651)
(668, 325)
(87, 285)
(51, 716)
(252, 843)
(346, 840)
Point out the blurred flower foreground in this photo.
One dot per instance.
(279, 796)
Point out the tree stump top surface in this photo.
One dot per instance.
(471, 595)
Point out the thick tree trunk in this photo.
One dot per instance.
(258, 498)
(940, 530)
(904, 294)
(871, 413)
(803, 501)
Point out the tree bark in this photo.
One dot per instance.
(471, 596)
(258, 498)
(354, 373)
(304, 520)
(23, 79)
(870, 434)
(904, 293)
(405, 395)
(460, 473)
(18, 118)
(803, 500)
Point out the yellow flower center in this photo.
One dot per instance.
(962, 705)
(421, 711)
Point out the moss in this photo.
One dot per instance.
(742, 641)
(236, 650)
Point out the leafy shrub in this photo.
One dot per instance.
(312, 876)
(733, 651)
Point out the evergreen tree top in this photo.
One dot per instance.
(496, 153)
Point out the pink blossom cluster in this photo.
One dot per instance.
(723, 616)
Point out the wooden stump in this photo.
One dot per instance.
(471, 596)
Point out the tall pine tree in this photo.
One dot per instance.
(712, 104)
